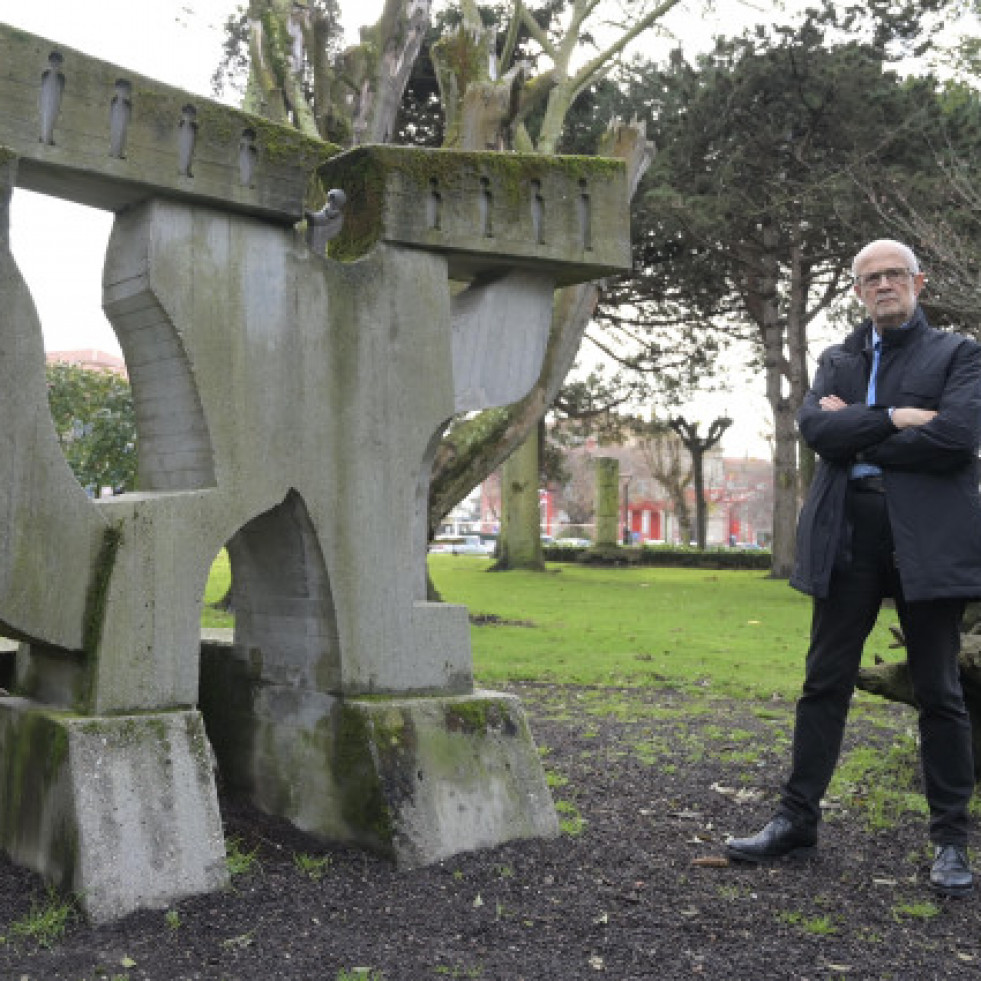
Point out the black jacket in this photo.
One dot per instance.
(930, 472)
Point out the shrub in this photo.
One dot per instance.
(667, 556)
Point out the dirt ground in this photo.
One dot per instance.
(648, 787)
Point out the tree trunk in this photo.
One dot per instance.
(607, 501)
(784, 490)
(520, 542)
(698, 478)
(397, 39)
(892, 681)
(683, 514)
(784, 429)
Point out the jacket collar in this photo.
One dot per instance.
(860, 339)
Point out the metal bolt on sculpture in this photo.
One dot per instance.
(285, 401)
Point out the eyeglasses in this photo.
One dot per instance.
(891, 276)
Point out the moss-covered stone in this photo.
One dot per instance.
(478, 716)
(389, 190)
(285, 157)
(354, 753)
(95, 606)
(33, 760)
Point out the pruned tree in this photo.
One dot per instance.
(296, 73)
(697, 446)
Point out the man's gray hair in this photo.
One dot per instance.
(911, 261)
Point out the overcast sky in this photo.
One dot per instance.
(60, 247)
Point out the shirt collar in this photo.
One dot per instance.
(889, 333)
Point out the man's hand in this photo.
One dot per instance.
(904, 418)
(901, 418)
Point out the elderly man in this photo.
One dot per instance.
(894, 510)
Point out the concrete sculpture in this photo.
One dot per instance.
(288, 406)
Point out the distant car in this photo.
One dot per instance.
(461, 545)
(442, 545)
(472, 545)
(573, 542)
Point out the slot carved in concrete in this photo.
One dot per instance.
(186, 138)
(486, 208)
(52, 89)
(538, 211)
(585, 216)
(248, 154)
(120, 111)
(434, 205)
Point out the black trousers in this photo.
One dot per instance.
(840, 626)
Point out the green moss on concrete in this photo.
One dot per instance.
(367, 175)
(133, 729)
(95, 601)
(363, 804)
(279, 146)
(477, 716)
(389, 729)
(364, 181)
(34, 752)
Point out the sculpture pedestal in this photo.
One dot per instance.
(120, 810)
(416, 779)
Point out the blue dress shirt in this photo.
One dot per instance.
(868, 469)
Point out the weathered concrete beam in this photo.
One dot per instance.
(486, 212)
(91, 132)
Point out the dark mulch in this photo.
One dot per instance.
(658, 791)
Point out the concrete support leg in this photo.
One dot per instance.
(417, 779)
(120, 810)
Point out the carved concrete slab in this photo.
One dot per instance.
(97, 134)
(483, 211)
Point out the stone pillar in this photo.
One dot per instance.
(607, 501)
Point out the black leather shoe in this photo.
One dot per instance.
(951, 874)
(781, 838)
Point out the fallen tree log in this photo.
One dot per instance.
(891, 679)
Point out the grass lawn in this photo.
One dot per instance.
(737, 633)
(733, 633)
(218, 582)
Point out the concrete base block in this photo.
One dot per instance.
(448, 775)
(417, 779)
(120, 810)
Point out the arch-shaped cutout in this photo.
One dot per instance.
(285, 621)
